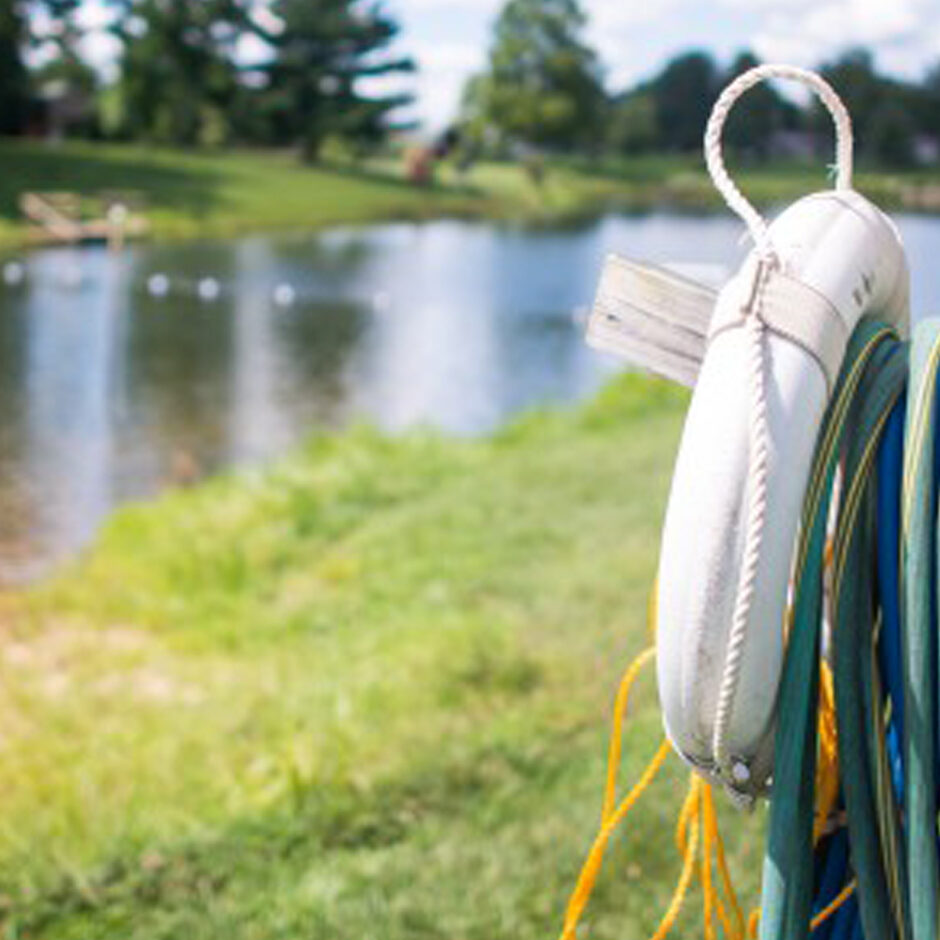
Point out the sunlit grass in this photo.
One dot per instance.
(363, 693)
(217, 193)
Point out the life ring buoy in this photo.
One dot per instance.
(777, 338)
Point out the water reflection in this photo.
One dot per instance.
(109, 394)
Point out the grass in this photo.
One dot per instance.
(214, 193)
(363, 693)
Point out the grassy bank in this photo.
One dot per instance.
(216, 194)
(363, 693)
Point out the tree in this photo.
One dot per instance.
(891, 135)
(311, 87)
(63, 31)
(684, 93)
(178, 77)
(758, 115)
(886, 114)
(14, 79)
(543, 86)
(633, 127)
(65, 83)
(930, 118)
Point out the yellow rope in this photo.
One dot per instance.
(697, 824)
(832, 907)
(753, 921)
(685, 821)
(592, 865)
(688, 866)
(616, 737)
(709, 895)
(711, 821)
(818, 920)
(827, 768)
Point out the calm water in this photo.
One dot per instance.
(108, 394)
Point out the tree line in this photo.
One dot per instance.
(182, 78)
(544, 88)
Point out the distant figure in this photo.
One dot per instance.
(184, 469)
(447, 143)
(534, 166)
(118, 215)
(419, 166)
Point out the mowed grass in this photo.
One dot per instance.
(364, 693)
(219, 193)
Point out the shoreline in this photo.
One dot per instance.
(203, 194)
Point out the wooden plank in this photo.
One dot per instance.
(654, 318)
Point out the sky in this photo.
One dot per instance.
(449, 38)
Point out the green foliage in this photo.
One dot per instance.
(758, 116)
(189, 194)
(887, 115)
(543, 85)
(362, 693)
(177, 74)
(670, 112)
(684, 93)
(320, 52)
(633, 127)
(14, 79)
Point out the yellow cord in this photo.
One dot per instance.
(697, 824)
(827, 767)
(831, 908)
(709, 895)
(616, 737)
(818, 920)
(711, 822)
(688, 866)
(612, 815)
(592, 865)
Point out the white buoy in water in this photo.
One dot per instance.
(285, 295)
(158, 285)
(209, 289)
(13, 273)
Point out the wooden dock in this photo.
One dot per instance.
(57, 218)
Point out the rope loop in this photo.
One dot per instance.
(737, 202)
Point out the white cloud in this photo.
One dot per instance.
(900, 32)
(613, 28)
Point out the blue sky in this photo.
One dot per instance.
(449, 38)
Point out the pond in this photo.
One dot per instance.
(110, 393)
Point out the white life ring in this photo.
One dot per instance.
(777, 338)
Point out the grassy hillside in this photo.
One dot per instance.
(191, 193)
(363, 693)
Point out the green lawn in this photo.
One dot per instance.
(363, 693)
(221, 193)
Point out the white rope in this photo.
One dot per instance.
(735, 774)
(759, 443)
(714, 159)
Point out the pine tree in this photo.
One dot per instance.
(758, 115)
(178, 76)
(310, 89)
(14, 79)
(684, 93)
